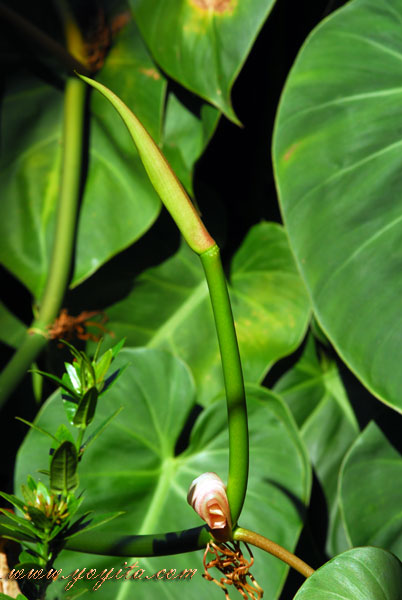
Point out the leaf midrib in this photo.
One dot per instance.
(171, 325)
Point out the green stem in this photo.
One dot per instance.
(63, 244)
(233, 377)
(250, 537)
(158, 544)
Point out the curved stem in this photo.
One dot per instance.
(155, 544)
(63, 244)
(250, 537)
(233, 377)
(196, 235)
(158, 544)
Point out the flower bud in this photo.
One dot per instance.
(207, 495)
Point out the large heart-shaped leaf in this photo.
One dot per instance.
(358, 574)
(119, 203)
(372, 509)
(169, 308)
(314, 392)
(202, 43)
(338, 165)
(133, 467)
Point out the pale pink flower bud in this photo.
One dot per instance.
(207, 495)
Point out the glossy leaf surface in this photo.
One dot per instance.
(202, 43)
(358, 574)
(338, 168)
(169, 308)
(63, 469)
(372, 509)
(134, 467)
(314, 392)
(119, 203)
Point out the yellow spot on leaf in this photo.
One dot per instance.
(215, 6)
(291, 151)
(153, 73)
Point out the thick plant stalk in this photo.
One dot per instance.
(63, 244)
(233, 376)
(157, 544)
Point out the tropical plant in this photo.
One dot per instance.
(198, 390)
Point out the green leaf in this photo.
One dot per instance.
(13, 500)
(169, 308)
(12, 330)
(63, 469)
(117, 347)
(7, 597)
(20, 532)
(91, 523)
(54, 438)
(86, 408)
(70, 407)
(372, 509)
(186, 136)
(23, 524)
(338, 169)
(64, 382)
(202, 44)
(134, 467)
(73, 376)
(29, 172)
(358, 574)
(102, 365)
(101, 427)
(315, 394)
(63, 434)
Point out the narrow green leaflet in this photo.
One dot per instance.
(338, 164)
(358, 574)
(372, 509)
(12, 330)
(186, 136)
(30, 165)
(169, 308)
(202, 43)
(133, 467)
(86, 408)
(63, 469)
(314, 392)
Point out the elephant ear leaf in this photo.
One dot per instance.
(337, 159)
(359, 574)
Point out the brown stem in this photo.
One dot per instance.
(250, 537)
(35, 35)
